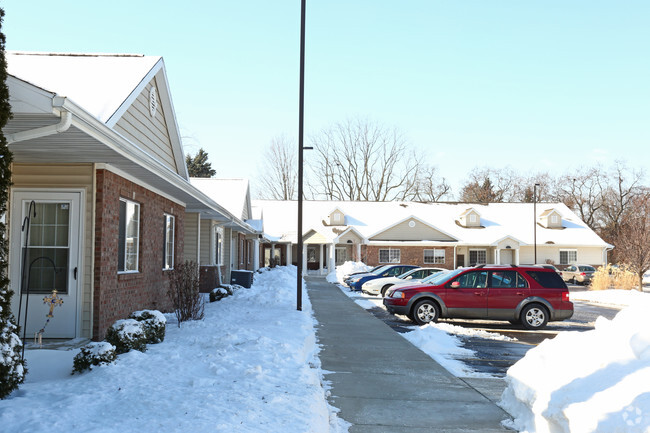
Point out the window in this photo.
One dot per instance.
(389, 256)
(436, 256)
(473, 280)
(472, 218)
(248, 251)
(129, 236)
(549, 280)
(507, 279)
(168, 245)
(241, 251)
(477, 257)
(337, 217)
(568, 256)
(554, 219)
(218, 245)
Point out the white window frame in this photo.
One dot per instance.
(437, 257)
(568, 256)
(477, 250)
(472, 218)
(337, 217)
(554, 219)
(392, 254)
(169, 242)
(135, 239)
(217, 246)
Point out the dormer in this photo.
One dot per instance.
(470, 218)
(551, 219)
(336, 218)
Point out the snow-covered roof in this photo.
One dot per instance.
(499, 220)
(232, 194)
(99, 83)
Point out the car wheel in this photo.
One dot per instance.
(384, 289)
(534, 316)
(426, 312)
(575, 281)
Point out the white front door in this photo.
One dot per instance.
(506, 257)
(50, 261)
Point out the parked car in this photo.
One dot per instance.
(529, 295)
(578, 274)
(357, 281)
(349, 276)
(380, 285)
(547, 266)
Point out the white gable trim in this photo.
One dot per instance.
(348, 230)
(498, 241)
(414, 218)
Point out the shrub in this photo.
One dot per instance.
(93, 354)
(184, 292)
(12, 366)
(154, 324)
(127, 334)
(218, 294)
(620, 277)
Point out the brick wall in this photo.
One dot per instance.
(409, 256)
(116, 295)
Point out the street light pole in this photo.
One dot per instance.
(535, 221)
(301, 121)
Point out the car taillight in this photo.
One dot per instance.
(583, 274)
(565, 296)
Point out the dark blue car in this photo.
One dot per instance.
(357, 281)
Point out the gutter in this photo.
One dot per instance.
(43, 131)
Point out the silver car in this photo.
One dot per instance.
(578, 274)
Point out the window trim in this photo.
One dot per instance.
(469, 256)
(390, 250)
(434, 257)
(124, 270)
(217, 245)
(568, 251)
(172, 218)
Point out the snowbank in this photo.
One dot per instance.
(250, 365)
(346, 268)
(617, 298)
(579, 382)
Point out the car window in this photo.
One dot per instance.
(380, 270)
(587, 269)
(410, 272)
(392, 272)
(473, 280)
(418, 274)
(549, 280)
(441, 277)
(507, 279)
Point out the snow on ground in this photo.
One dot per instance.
(615, 298)
(580, 382)
(251, 365)
(347, 268)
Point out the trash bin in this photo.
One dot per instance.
(242, 278)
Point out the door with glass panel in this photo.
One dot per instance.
(45, 244)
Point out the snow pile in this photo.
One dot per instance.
(619, 298)
(250, 365)
(433, 340)
(579, 382)
(345, 269)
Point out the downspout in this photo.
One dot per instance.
(455, 246)
(30, 134)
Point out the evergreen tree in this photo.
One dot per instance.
(12, 366)
(198, 166)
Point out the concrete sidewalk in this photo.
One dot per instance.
(382, 383)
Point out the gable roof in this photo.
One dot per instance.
(103, 85)
(368, 218)
(233, 194)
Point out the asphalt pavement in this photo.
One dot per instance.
(383, 383)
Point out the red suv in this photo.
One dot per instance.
(530, 295)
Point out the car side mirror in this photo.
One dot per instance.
(455, 284)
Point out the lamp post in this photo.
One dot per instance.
(535, 220)
(301, 121)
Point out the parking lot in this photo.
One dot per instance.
(496, 356)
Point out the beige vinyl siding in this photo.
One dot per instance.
(206, 244)
(79, 176)
(191, 236)
(150, 133)
(350, 236)
(403, 232)
(315, 238)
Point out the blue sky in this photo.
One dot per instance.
(534, 85)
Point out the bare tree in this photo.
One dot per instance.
(427, 186)
(361, 160)
(279, 173)
(633, 237)
(623, 187)
(583, 192)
